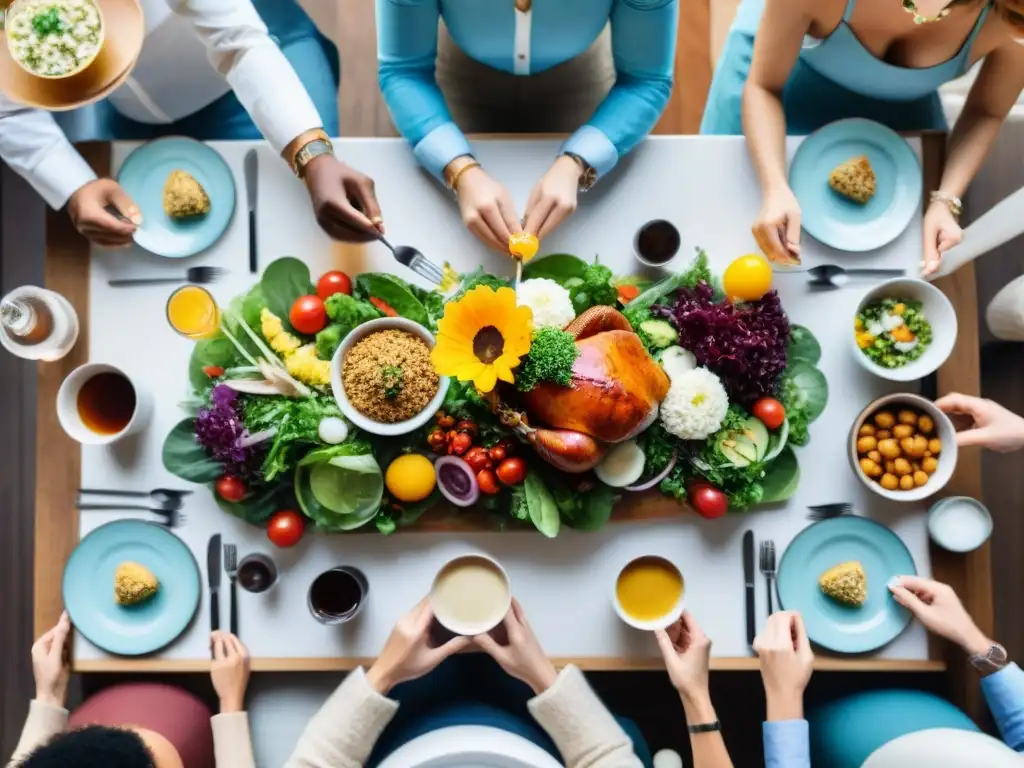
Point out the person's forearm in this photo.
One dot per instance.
(232, 742)
(969, 144)
(43, 723)
(784, 707)
(708, 748)
(764, 126)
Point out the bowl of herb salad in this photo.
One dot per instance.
(903, 329)
(54, 38)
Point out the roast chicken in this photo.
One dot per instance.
(614, 395)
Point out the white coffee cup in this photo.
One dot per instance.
(71, 420)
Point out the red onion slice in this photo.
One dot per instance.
(456, 481)
(657, 478)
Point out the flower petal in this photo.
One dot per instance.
(486, 379)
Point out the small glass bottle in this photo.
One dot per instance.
(37, 324)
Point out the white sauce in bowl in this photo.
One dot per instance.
(54, 38)
(471, 595)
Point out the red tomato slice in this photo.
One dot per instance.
(383, 306)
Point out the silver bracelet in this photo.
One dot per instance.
(954, 203)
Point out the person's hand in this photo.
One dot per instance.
(553, 199)
(777, 227)
(787, 662)
(487, 209)
(344, 200)
(49, 664)
(687, 653)
(941, 232)
(992, 426)
(937, 607)
(87, 208)
(229, 671)
(408, 653)
(522, 658)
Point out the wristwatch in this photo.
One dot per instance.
(705, 727)
(308, 151)
(588, 174)
(990, 662)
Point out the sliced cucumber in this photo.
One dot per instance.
(757, 433)
(778, 441)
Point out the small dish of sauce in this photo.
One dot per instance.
(657, 243)
(106, 403)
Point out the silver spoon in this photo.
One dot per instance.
(824, 276)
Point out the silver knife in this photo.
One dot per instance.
(252, 175)
(748, 581)
(213, 568)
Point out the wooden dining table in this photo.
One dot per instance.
(69, 268)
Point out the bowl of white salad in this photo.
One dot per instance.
(54, 39)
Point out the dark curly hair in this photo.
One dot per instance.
(94, 746)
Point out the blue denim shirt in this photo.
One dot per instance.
(787, 745)
(643, 45)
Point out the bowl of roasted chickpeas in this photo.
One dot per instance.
(903, 448)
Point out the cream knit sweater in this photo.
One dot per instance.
(343, 732)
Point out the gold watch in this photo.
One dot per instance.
(314, 148)
(588, 174)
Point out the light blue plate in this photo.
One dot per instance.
(89, 587)
(143, 175)
(826, 544)
(841, 223)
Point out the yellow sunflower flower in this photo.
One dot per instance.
(482, 336)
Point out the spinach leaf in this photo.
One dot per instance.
(803, 346)
(541, 504)
(593, 509)
(558, 267)
(806, 388)
(782, 478)
(477, 278)
(284, 281)
(395, 292)
(217, 350)
(258, 506)
(184, 457)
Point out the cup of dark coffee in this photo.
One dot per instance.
(257, 573)
(657, 243)
(336, 596)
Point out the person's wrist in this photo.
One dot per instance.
(231, 704)
(314, 166)
(543, 677)
(49, 697)
(784, 705)
(975, 642)
(381, 678)
(697, 706)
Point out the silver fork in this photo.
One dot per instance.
(768, 569)
(821, 512)
(416, 261)
(173, 517)
(231, 568)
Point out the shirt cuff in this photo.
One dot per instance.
(439, 147)
(787, 744)
(1004, 690)
(61, 173)
(594, 147)
(232, 742)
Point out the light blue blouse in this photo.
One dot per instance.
(643, 45)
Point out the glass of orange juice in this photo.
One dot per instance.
(192, 311)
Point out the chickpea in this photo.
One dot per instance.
(866, 430)
(882, 434)
(927, 454)
(884, 420)
(907, 483)
(930, 464)
(866, 444)
(920, 446)
(907, 446)
(935, 446)
(907, 417)
(902, 467)
(890, 449)
(901, 431)
(920, 478)
(875, 456)
(915, 466)
(890, 467)
(889, 482)
(869, 468)
(925, 424)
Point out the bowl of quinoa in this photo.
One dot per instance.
(54, 39)
(382, 377)
(904, 329)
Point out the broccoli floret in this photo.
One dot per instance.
(350, 312)
(552, 353)
(328, 339)
(593, 288)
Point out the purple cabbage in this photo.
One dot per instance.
(743, 344)
(219, 429)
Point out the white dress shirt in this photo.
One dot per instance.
(195, 52)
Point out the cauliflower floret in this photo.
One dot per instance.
(305, 366)
(695, 405)
(549, 302)
(277, 337)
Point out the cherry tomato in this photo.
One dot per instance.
(231, 488)
(509, 446)
(308, 315)
(383, 306)
(213, 371)
(333, 282)
(512, 471)
(460, 443)
(497, 452)
(627, 293)
(487, 481)
(477, 458)
(444, 421)
(770, 411)
(467, 426)
(285, 528)
(707, 501)
(436, 439)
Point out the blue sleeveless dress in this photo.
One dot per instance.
(833, 78)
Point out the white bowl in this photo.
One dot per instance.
(70, 419)
(351, 412)
(662, 622)
(469, 630)
(944, 430)
(959, 542)
(939, 312)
